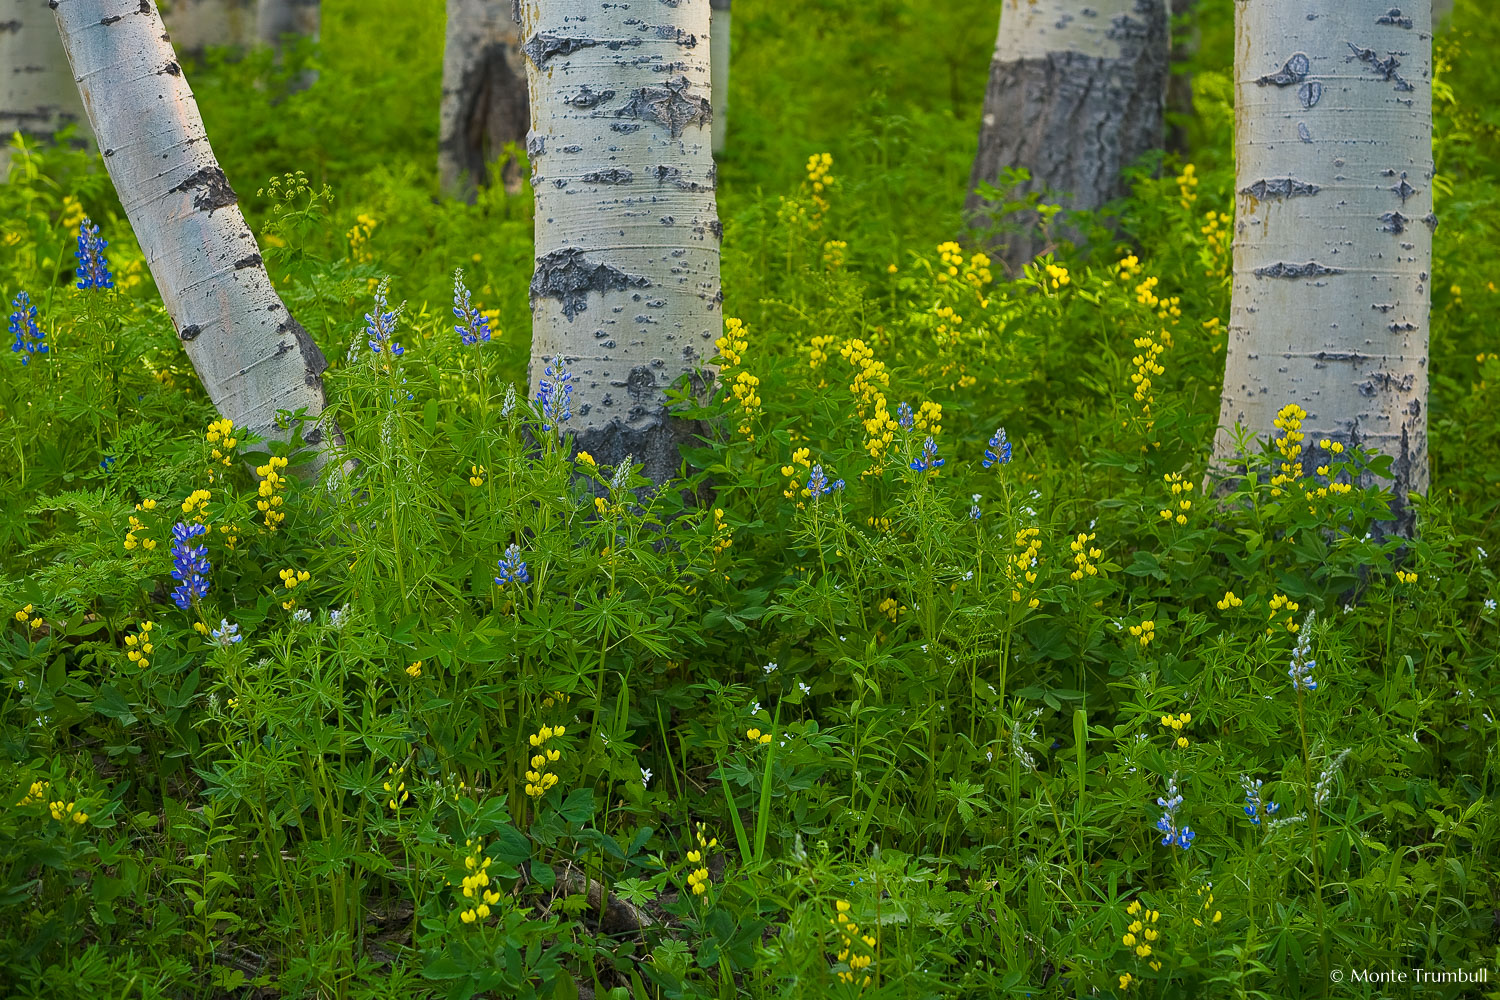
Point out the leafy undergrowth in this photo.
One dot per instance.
(881, 700)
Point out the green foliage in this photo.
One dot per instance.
(734, 738)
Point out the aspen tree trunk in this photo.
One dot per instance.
(1185, 44)
(37, 93)
(275, 19)
(1333, 232)
(1075, 95)
(252, 356)
(197, 24)
(626, 287)
(484, 96)
(719, 59)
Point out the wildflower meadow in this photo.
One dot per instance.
(948, 665)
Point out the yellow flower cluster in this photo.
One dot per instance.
(414, 670)
(37, 793)
(1141, 931)
(1145, 632)
(1175, 724)
(136, 527)
(221, 439)
(1283, 605)
(870, 378)
(197, 504)
(584, 458)
(272, 486)
(1084, 557)
(793, 488)
(556, 698)
(1179, 486)
(880, 524)
(818, 354)
(290, 578)
(64, 811)
(1216, 229)
(1129, 267)
(539, 780)
(858, 959)
(1022, 565)
(723, 536)
(949, 322)
(929, 418)
(833, 254)
(820, 180)
(1334, 449)
(138, 647)
(974, 272)
(743, 386)
(1147, 367)
(697, 880)
(25, 617)
(746, 391)
(756, 736)
(396, 788)
(1289, 421)
(1207, 905)
(1187, 186)
(476, 474)
(891, 608)
(359, 238)
(1230, 601)
(1058, 276)
(731, 346)
(1403, 576)
(228, 531)
(475, 885)
(72, 212)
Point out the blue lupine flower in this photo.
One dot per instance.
(817, 482)
(928, 460)
(190, 565)
(380, 325)
(473, 326)
(974, 512)
(1255, 806)
(904, 416)
(93, 266)
(554, 393)
(512, 568)
(227, 634)
(998, 451)
(1302, 667)
(838, 485)
(1173, 835)
(107, 463)
(24, 328)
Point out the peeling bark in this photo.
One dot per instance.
(37, 93)
(626, 287)
(1331, 285)
(484, 97)
(252, 356)
(1076, 93)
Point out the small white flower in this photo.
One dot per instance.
(302, 616)
(989, 755)
(977, 496)
(770, 668)
(1482, 554)
(755, 708)
(1489, 604)
(510, 400)
(801, 686)
(968, 576)
(646, 777)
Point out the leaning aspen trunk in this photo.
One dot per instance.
(484, 104)
(626, 288)
(1075, 95)
(37, 93)
(719, 57)
(254, 359)
(198, 24)
(1333, 232)
(275, 19)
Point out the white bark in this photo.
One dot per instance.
(197, 24)
(626, 287)
(252, 356)
(275, 19)
(1333, 234)
(484, 96)
(37, 93)
(1076, 93)
(719, 56)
